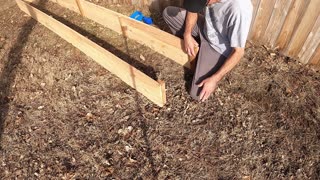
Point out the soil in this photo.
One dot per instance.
(65, 117)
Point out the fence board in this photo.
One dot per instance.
(278, 16)
(305, 26)
(316, 57)
(262, 18)
(311, 43)
(292, 19)
(255, 4)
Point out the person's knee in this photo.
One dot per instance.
(170, 12)
(165, 12)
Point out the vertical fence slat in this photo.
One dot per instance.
(307, 22)
(289, 24)
(316, 57)
(262, 18)
(311, 43)
(255, 4)
(278, 16)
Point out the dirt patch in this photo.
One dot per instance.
(64, 116)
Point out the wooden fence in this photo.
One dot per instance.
(291, 26)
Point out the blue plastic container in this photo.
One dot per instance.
(147, 20)
(137, 15)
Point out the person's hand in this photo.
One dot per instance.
(189, 44)
(209, 86)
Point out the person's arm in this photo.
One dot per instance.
(189, 42)
(210, 84)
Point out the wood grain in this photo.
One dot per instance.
(79, 7)
(276, 21)
(305, 26)
(294, 15)
(255, 4)
(316, 57)
(146, 36)
(262, 18)
(311, 43)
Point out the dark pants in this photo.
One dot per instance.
(209, 60)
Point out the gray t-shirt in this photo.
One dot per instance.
(227, 24)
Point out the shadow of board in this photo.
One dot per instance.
(8, 73)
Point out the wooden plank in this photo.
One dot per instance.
(311, 43)
(255, 4)
(316, 57)
(262, 18)
(305, 26)
(104, 16)
(156, 39)
(79, 7)
(66, 4)
(142, 35)
(130, 75)
(290, 22)
(278, 16)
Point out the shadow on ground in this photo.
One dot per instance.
(125, 56)
(8, 74)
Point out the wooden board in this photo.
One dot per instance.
(305, 26)
(316, 57)
(262, 18)
(156, 39)
(278, 16)
(293, 17)
(255, 4)
(142, 35)
(311, 43)
(130, 75)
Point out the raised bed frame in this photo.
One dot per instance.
(160, 41)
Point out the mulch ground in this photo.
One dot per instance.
(65, 117)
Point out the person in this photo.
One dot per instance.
(221, 28)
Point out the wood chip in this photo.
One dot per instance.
(142, 57)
